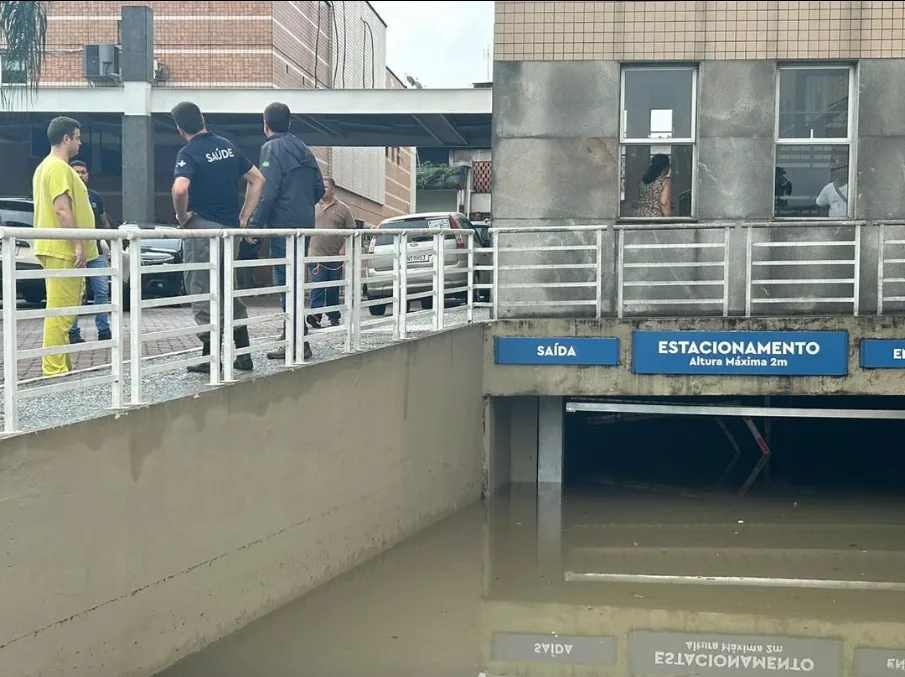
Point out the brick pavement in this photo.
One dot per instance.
(29, 333)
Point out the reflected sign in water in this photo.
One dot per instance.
(879, 662)
(663, 653)
(520, 647)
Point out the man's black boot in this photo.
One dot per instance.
(278, 353)
(242, 362)
(204, 367)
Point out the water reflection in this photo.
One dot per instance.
(487, 591)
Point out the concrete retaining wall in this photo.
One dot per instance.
(129, 543)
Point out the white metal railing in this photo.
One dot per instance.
(743, 269)
(891, 268)
(610, 270)
(443, 267)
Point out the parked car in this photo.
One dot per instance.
(18, 212)
(420, 257)
(155, 252)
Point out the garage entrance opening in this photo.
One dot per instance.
(737, 445)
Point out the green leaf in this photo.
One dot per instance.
(23, 29)
(433, 176)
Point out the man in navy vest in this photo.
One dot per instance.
(294, 186)
(208, 168)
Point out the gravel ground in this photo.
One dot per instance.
(49, 410)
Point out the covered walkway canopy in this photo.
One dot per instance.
(325, 117)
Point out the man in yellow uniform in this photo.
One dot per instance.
(61, 201)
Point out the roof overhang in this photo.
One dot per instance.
(324, 117)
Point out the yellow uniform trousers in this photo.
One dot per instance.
(62, 292)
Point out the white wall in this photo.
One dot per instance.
(360, 65)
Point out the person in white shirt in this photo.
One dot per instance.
(835, 196)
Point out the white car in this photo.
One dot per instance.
(19, 212)
(420, 254)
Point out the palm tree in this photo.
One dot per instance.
(23, 29)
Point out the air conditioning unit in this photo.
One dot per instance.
(101, 62)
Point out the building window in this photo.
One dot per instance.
(813, 142)
(657, 118)
(12, 72)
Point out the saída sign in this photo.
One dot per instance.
(564, 350)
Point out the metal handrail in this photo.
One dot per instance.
(442, 273)
(606, 269)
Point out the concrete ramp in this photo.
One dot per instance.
(132, 541)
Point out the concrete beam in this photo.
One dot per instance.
(254, 101)
(331, 101)
(440, 129)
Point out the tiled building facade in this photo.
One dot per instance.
(279, 45)
(689, 29)
(760, 106)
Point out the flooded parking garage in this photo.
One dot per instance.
(703, 445)
(605, 580)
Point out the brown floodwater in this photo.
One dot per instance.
(604, 582)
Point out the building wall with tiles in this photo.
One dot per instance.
(560, 77)
(704, 29)
(760, 107)
(248, 44)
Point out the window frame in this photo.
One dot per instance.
(625, 142)
(23, 70)
(849, 141)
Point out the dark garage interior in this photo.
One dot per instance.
(717, 454)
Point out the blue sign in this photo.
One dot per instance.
(741, 353)
(557, 351)
(883, 354)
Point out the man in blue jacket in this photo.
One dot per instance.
(294, 185)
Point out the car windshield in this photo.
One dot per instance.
(17, 213)
(424, 222)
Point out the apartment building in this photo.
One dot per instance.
(760, 107)
(211, 45)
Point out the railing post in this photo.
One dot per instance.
(228, 319)
(469, 298)
(599, 273)
(495, 283)
(439, 268)
(116, 324)
(215, 308)
(135, 321)
(726, 244)
(749, 255)
(881, 255)
(404, 287)
(856, 295)
(10, 355)
(397, 287)
(289, 281)
(352, 304)
(620, 272)
(298, 313)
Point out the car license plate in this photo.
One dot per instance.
(419, 258)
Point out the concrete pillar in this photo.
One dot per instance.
(523, 439)
(497, 444)
(550, 428)
(550, 424)
(137, 35)
(549, 529)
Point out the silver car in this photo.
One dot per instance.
(420, 255)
